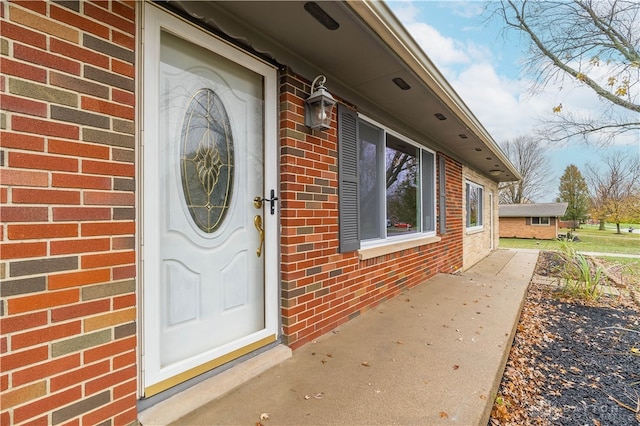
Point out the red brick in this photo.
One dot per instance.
(74, 377)
(111, 410)
(16, 360)
(11, 177)
(109, 108)
(110, 380)
(62, 214)
(25, 35)
(48, 334)
(123, 40)
(23, 214)
(78, 149)
(108, 168)
(80, 310)
(46, 128)
(38, 6)
(42, 301)
(80, 181)
(124, 10)
(109, 198)
(89, 261)
(76, 52)
(123, 97)
(47, 369)
(45, 196)
(25, 106)
(109, 18)
(123, 68)
(110, 349)
(23, 322)
(125, 388)
(89, 25)
(48, 403)
(42, 162)
(22, 250)
(21, 141)
(123, 243)
(40, 231)
(4, 384)
(124, 272)
(20, 69)
(76, 279)
(45, 59)
(114, 228)
(126, 301)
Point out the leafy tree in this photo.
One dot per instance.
(615, 189)
(574, 191)
(527, 155)
(594, 43)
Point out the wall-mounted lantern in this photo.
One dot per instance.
(318, 106)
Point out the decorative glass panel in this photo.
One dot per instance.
(207, 161)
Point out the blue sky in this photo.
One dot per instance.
(483, 68)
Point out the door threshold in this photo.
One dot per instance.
(180, 404)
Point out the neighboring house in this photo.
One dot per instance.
(538, 221)
(165, 209)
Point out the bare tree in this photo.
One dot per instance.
(614, 188)
(595, 43)
(527, 155)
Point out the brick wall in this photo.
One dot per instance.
(67, 268)
(477, 243)
(322, 288)
(516, 227)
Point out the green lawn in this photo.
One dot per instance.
(591, 239)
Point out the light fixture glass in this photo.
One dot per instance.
(319, 105)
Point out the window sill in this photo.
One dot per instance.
(471, 231)
(392, 247)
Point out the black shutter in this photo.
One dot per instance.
(348, 179)
(442, 202)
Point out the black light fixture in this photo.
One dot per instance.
(318, 106)
(462, 136)
(440, 116)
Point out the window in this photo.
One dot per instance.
(540, 220)
(386, 188)
(396, 181)
(474, 205)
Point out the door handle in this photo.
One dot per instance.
(257, 221)
(257, 202)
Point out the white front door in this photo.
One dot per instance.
(209, 252)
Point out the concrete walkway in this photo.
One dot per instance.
(433, 355)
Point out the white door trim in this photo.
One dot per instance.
(156, 19)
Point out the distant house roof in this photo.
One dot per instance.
(533, 210)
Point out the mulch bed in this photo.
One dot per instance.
(572, 362)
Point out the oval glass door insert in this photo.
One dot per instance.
(206, 163)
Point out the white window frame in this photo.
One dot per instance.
(540, 222)
(470, 184)
(414, 236)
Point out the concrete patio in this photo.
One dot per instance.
(433, 355)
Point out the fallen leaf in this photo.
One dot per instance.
(443, 415)
(318, 395)
(329, 356)
(365, 363)
(324, 361)
(264, 416)
(455, 367)
(307, 397)
(400, 342)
